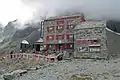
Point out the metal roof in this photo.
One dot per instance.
(40, 40)
(25, 42)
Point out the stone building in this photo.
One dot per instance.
(90, 38)
(59, 33)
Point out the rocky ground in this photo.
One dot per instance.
(91, 69)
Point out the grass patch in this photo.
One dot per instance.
(74, 77)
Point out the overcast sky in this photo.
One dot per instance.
(14, 9)
(33, 9)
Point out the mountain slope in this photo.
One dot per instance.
(13, 43)
(113, 40)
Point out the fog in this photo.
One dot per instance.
(92, 9)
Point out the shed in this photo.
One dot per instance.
(38, 45)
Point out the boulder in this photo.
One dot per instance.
(8, 76)
(19, 72)
(12, 75)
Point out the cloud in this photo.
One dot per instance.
(93, 9)
(14, 9)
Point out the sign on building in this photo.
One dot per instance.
(83, 49)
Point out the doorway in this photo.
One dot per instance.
(61, 47)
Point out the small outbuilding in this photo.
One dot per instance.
(38, 45)
(24, 45)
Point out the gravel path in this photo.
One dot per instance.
(98, 70)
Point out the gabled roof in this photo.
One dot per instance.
(25, 42)
(40, 40)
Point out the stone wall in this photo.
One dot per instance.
(62, 29)
(60, 22)
(90, 31)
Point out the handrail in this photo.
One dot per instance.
(31, 56)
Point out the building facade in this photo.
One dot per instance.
(90, 37)
(59, 33)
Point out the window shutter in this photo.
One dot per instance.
(56, 37)
(68, 36)
(56, 28)
(97, 41)
(63, 27)
(78, 41)
(84, 41)
(47, 38)
(57, 47)
(63, 36)
(52, 27)
(91, 41)
(68, 46)
(67, 27)
(47, 28)
(52, 37)
(63, 47)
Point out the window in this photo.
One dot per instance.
(50, 37)
(50, 28)
(60, 27)
(70, 27)
(60, 37)
(71, 36)
(69, 46)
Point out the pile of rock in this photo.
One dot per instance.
(14, 74)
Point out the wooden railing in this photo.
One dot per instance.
(27, 56)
